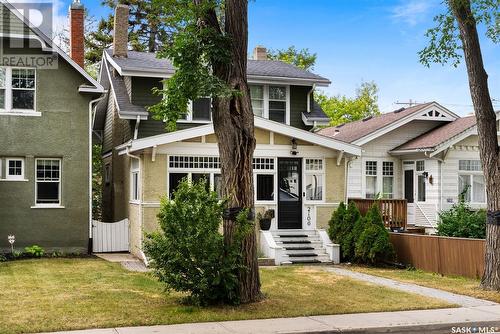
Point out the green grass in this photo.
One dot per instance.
(456, 284)
(65, 294)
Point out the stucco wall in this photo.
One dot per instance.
(60, 132)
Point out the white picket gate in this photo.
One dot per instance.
(110, 237)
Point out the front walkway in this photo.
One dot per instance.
(452, 298)
(127, 260)
(426, 321)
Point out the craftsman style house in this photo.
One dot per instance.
(298, 173)
(425, 154)
(45, 157)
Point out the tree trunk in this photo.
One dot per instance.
(234, 127)
(487, 131)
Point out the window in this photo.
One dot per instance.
(17, 89)
(264, 172)
(271, 102)
(371, 179)
(179, 161)
(174, 179)
(48, 181)
(388, 179)
(420, 165)
(277, 103)
(314, 173)
(257, 97)
(14, 169)
(134, 180)
(421, 188)
(199, 111)
(471, 181)
(107, 174)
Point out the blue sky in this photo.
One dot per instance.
(363, 40)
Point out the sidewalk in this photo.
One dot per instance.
(427, 321)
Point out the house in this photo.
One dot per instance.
(425, 154)
(45, 157)
(298, 173)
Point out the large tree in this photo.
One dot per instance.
(209, 51)
(456, 34)
(342, 109)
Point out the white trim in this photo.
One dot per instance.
(452, 141)
(48, 41)
(259, 122)
(14, 177)
(315, 121)
(49, 205)
(413, 116)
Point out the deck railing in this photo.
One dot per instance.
(394, 211)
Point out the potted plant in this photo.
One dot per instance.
(265, 219)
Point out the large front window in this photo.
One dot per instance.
(17, 89)
(471, 184)
(371, 179)
(379, 179)
(314, 172)
(271, 101)
(48, 181)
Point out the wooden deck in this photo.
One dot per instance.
(394, 211)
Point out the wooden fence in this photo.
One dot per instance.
(443, 255)
(394, 211)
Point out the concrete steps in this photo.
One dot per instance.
(301, 246)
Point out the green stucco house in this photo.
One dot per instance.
(46, 100)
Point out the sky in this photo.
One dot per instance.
(360, 40)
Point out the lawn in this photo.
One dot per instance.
(455, 284)
(64, 294)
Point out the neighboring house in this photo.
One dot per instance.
(45, 156)
(425, 154)
(297, 172)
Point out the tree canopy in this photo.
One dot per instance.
(342, 109)
(301, 58)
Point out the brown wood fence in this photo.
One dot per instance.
(443, 255)
(394, 211)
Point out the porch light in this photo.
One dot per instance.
(294, 147)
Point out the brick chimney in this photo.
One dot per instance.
(76, 32)
(120, 31)
(259, 53)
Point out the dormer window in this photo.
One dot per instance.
(17, 90)
(271, 102)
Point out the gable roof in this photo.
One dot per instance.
(435, 137)
(262, 123)
(48, 43)
(365, 130)
(148, 65)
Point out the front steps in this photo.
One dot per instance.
(301, 247)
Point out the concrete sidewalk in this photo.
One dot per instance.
(485, 318)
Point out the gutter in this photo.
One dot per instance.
(91, 124)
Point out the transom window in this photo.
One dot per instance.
(263, 163)
(271, 101)
(17, 89)
(179, 161)
(48, 181)
(315, 179)
(471, 183)
(14, 169)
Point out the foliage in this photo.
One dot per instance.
(34, 251)
(341, 226)
(97, 182)
(342, 109)
(189, 253)
(462, 222)
(301, 58)
(373, 245)
(3, 258)
(445, 45)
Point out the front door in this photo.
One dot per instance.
(290, 193)
(409, 183)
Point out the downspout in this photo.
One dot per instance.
(136, 128)
(91, 123)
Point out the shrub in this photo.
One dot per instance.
(341, 227)
(461, 221)
(373, 245)
(188, 253)
(34, 251)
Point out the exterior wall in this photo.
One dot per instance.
(378, 149)
(335, 192)
(60, 132)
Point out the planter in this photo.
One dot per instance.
(265, 224)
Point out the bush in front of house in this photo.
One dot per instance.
(373, 245)
(340, 228)
(34, 251)
(462, 222)
(188, 253)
